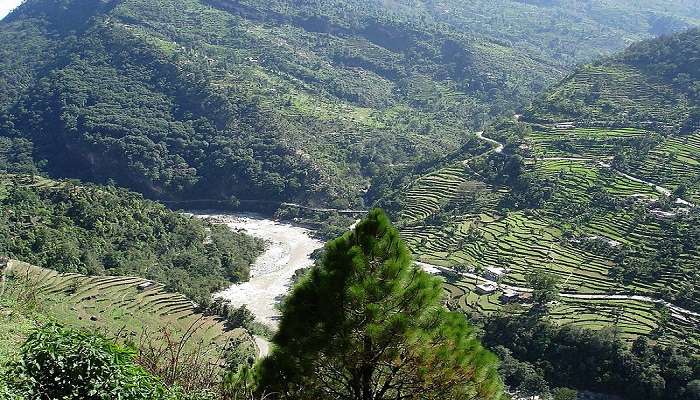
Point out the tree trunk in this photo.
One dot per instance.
(367, 371)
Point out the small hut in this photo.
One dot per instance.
(145, 286)
(494, 273)
(509, 296)
(486, 289)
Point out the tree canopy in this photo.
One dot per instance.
(367, 324)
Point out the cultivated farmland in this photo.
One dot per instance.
(601, 218)
(125, 308)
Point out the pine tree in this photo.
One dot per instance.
(367, 324)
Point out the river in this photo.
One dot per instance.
(289, 248)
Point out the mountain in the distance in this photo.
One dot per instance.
(654, 83)
(320, 102)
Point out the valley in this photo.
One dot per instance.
(350, 199)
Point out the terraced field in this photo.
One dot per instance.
(433, 193)
(490, 239)
(577, 177)
(429, 193)
(676, 161)
(522, 241)
(611, 93)
(507, 242)
(592, 202)
(631, 318)
(551, 141)
(117, 307)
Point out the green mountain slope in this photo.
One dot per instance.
(312, 102)
(567, 31)
(597, 184)
(652, 84)
(108, 231)
(164, 328)
(114, 305)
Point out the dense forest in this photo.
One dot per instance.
(109, 231)
(537, 354)
(235, 100)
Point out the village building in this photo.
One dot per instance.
(484, 289)
(661, 214)
(565, 126)
(610, 242)
(494, 273)
(509, 296)
(145, 285)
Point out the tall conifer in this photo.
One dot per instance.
(367, 324)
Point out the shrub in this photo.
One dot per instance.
(58, 363)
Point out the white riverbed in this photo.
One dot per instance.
(289, 248)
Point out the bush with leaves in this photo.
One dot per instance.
(544, 289)
(58, 363)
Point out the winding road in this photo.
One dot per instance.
(499, 146)
(337, 210)
(660, 189)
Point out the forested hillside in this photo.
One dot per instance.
(314, 102)
(567, 31)
(578, 229)
(108, 231)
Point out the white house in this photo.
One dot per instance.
(145, 286)
(509, 296)
(494, 273)
(486, 289)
